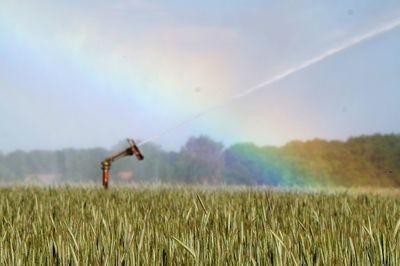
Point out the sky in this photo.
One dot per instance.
(85, 74)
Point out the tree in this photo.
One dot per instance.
(200, 160)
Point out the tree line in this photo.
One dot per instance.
(360, 161)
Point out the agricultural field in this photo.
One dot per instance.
(198, 226)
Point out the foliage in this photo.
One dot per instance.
(360, 161)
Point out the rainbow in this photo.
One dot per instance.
(152, 70)
(273, 167)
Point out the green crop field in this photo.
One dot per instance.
(197, 226)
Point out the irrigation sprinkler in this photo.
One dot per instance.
(106, 163)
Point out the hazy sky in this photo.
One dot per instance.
(89, 73)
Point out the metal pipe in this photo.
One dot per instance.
(105, 166)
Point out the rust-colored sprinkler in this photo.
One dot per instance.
(106, 164)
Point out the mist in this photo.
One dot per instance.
(363, 161)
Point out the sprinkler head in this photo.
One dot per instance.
(135, 150)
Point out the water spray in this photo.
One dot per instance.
(329, 53)
(106, 164)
